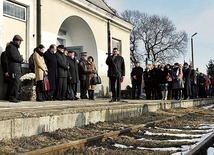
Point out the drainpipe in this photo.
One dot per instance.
(109, 37)
(38, 21)
(109, 47)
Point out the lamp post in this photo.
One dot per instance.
(192, 49)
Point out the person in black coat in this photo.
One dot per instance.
(62, 73)
(51, 63)
(162, 74)
(6, 78)
(116, 73)
(82, 75)
(201, 86)
(169, 73)
(147, 82)
(14, 67)
(187, 81)
(136, 74)
(155, 83)
(193, 78)
(73, 76)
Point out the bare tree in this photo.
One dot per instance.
(161, 40)
(134, 17)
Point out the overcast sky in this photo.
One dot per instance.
(189, 15)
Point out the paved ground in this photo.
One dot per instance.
(22, 109)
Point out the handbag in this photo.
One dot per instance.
(168, 78)
(46, 84)
(96, 79)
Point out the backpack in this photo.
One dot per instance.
(31, 64)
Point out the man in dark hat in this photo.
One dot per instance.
(82, 75)
(136, 74)
(73, 76)
(14, 67)
(62, 73)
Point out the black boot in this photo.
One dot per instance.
(39, 96)
(89, 94)
(92, 94)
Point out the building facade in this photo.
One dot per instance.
(80, 25)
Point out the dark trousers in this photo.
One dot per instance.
(83, 90)
(14, 85)
(39, 90)
(134, 87)
(71, 92)
(115, 88)
(62, 87)
(7, 89)
(178, 94)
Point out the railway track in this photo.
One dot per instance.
(201, 148)
(60, 149)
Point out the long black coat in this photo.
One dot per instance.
(62, 65)
(14, 59)
(138, 72)
(4, 66)
(116, 67)
(187, 81)
(51, 63)
(73, 72)
(161, 76)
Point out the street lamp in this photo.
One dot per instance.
(192, 49)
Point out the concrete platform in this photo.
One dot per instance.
(30, 118)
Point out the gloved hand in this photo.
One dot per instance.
(46, 72)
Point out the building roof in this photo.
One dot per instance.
(101, 4)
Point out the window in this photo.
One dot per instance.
(60, 41)
(14, 10)
(116, 44)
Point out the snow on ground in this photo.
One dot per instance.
(185, 148)
(180, 130)
(210, 151)
(208, 107)
(175, 140)
(170, 134)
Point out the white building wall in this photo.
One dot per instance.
(55, 12)
(1, 27)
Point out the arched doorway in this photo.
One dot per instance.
(76, 34)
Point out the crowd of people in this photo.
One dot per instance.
(62, 68)
(177, 82)
(64, 71)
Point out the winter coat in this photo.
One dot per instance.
(14, 59)
(147, 78)
(154, 77)
(138, 72)
(51, 62)
(4, 66)
(187, 81)
(73, 72)
(90, 68)
(161, 76)
(40, 66)
(177, 78)
(116, 67)
(82, 74)
(193, 77)
(62, 65)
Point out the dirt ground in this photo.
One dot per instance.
(26, 144)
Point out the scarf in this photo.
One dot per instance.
(40, 53)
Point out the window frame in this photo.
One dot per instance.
(17, 11)
(118, 43)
